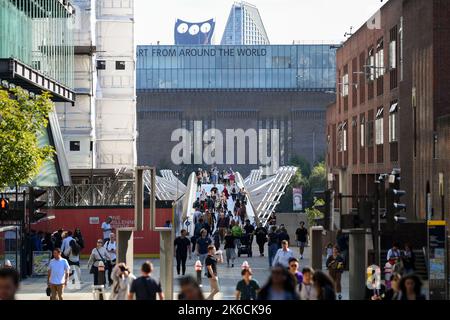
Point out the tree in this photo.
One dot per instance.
(313, 214)
(302, 164)
(22, 120)
(318, 177)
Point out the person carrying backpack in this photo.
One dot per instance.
(74, 258)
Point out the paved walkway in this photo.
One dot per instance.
(34, 288)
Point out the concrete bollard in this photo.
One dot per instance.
(357, 264)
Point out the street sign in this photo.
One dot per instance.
(437, 256)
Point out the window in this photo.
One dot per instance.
(345, 85)
(362, 131)
(379, 137)
(101, 65)
(342, 137)
(379, 59)
(74, 145)
(393, 120)
(120, 65)
(370, 73)
(392, 55)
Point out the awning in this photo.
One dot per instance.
(379, 113)
(394, 108)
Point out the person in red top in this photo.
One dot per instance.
(225, 191)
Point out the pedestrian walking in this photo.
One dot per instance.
(302, 238)
(98, 254)
(307, 289)
(280, 286)
(261, 238)
(107, 229)
(190, 289)
(283, 255)
(272, 244)
(247, 288)
(202, 247)
(230, 248)
(146, 287)
(182, 251)
(78, 237)
(335, 265)
(409, 260)
(122, 279)
(394, 293)
(9, 284)
(293, 269)
(65, 247)
(394, 252)
(74, 260)
(111, 247)
(211, 265)
(323, 286)
(58, 275)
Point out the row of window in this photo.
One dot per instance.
(374, 67)
(101, 65)
(368, 131)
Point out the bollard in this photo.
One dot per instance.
(101, 279)
(198, 269)
(316, 247)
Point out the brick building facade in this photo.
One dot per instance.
(392, 108)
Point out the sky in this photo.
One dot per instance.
(284, 20)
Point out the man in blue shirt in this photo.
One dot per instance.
(202, 246)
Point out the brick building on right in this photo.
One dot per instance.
(393, 107)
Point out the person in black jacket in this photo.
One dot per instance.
(261, 238)
(409, 259)
(78, 237)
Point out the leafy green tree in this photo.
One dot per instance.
(22, 121)
(313, 214)
(318, 177)
(302, 164)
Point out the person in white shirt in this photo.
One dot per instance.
(110, 246)
(107, 229)
(283, 255)
(58, 274)
(65, 246)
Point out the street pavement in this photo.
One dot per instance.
(34, 288)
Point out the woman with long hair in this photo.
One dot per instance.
(411, 288)
(324, 286)
(280, 286)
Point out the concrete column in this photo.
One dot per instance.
(166, 263)
(316, 247)
(125, 247)
(357, 264)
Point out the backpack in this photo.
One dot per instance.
(75, 247)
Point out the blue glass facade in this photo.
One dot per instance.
(289, 67)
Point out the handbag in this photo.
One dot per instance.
(48, 292)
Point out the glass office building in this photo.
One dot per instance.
(286, 67)
(244, 26)
(39, 34)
